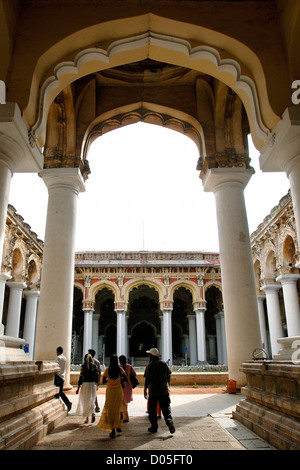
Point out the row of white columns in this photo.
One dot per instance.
(14, 310)
(197, 336)
(288, 283)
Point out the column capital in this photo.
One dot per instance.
(281, 151)
(271, 287)
(17, 149)
(219, 315)
(220, 178)
(121, 307)
(288, 278)
(64, 178)
(88, 305)
(5, 277)
(31, 293)
(16, 285)
(166, 305)
(261, 296)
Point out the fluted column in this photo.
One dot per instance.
(167, 335)
(291, 302)
(221, 338)
(238, 282)
(6, 172)
(54, 323)
(262, 322)
(87, 330)
(32, 297)
(4, 277)
(161, 341)
(14, 308)
(121, 330)
(200, 329)
(95, 333)
(192, 339)
(274, 316)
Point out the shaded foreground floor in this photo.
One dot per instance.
(202, 420)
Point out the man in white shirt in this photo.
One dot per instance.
(59, 377)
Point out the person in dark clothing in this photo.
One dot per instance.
(157, 378)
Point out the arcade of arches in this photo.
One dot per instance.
(214, 71)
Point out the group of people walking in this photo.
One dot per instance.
(117, 378)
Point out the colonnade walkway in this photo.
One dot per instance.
(202, 418)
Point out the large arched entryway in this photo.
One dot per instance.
(216, 93)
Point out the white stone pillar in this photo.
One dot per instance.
(121, 333)
(262, 322)
(95, 333)
(161, 341)
(291, 302)
(167, 335)
(32, 297)
(126, 337)
(201, 337)
(87, 330)
(54, 322)
(192, 339)
(238, 282)
(14, 308)
(221, 338)
(101, 355)
(274, 316)
(6, 172)
(3, 278)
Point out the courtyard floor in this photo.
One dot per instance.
(202, 418)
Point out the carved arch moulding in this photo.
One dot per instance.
(203, 58)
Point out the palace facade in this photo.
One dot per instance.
(133, 301)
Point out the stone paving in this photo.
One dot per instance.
(202, 420)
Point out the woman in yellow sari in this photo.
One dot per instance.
(111, 416)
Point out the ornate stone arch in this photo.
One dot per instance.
(102, 284)
(149, 113)
(18, 266)
(130, 285)
(270, 266)
(223, 57)
(213, 282)
(257, 273)
(191, 286)
(79, 286)
(288, 251)
(33, 271)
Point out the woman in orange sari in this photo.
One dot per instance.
(111, 416)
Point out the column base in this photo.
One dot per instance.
(289, 349)
(11, 349)
(271, 408)
(32, 410)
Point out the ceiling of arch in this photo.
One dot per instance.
(188, 101)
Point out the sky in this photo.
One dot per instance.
(144, 193)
